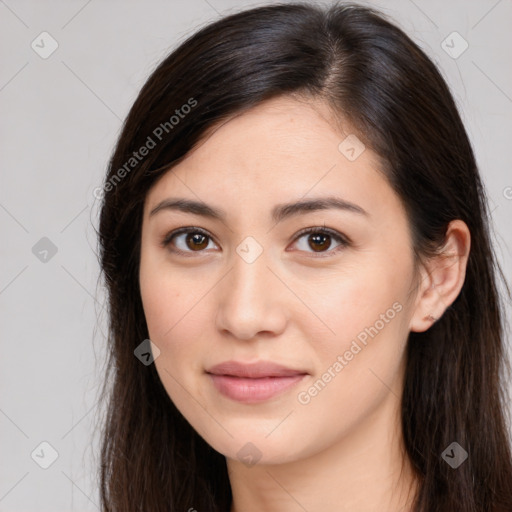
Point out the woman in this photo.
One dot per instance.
(303, 296)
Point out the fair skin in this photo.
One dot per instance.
(301, 303)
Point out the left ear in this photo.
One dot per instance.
(443, 277)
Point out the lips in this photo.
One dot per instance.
(253, 382)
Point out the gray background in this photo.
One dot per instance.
(60, 117)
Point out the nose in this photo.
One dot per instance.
(251, 300)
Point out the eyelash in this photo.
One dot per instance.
(343, 241)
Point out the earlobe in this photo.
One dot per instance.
(431, 318)
(445, 277)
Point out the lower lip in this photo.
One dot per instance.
(252, 391)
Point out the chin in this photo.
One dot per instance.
(253, 447)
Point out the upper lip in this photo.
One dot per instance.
(253, 370)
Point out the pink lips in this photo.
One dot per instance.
(255, 382)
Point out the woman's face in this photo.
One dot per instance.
(332, 307)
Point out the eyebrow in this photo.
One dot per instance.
(279, 213)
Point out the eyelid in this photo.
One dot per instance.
(322, 229)
(343, 240)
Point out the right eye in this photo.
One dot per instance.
(187, 240)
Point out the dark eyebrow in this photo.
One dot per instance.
(189, 206)
(279, 212)
(283, 211)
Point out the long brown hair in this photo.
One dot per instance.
(368, 71)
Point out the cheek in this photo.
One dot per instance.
(170, 295)
(349, 302)
(358, 367)
(164, 298)
(176, 314)
(175, 319)
(366, 315)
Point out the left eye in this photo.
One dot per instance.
(319, 240)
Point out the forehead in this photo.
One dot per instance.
(280, 150)
(284, 128)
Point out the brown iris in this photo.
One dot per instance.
(196, 241)
(320, 241)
